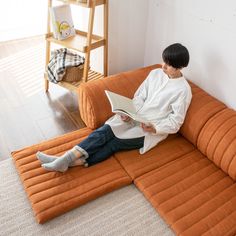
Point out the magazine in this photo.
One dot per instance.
(124, 105)
(62, 22)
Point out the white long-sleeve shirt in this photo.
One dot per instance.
(160, 100)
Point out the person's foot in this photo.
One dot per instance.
(45, 158)
(80, 162)
(59, 163)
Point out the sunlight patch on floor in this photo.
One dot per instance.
(27, 66)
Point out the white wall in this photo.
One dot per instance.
(81, 18)
(126, 34)
(139, 30)
(127, 30)
(21, 19)
(208, 29)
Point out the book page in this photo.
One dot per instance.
(123, 105)
(119, 102)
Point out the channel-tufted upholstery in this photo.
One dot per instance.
(202, 108)
(53, 193)
(217, 140)
(193, 195)
(189, 178)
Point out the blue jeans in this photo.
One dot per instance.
(102, 143)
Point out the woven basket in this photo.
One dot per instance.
(73, 74)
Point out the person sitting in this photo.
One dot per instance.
(163, 99)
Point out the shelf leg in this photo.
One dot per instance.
(89, 40)
(46, 82)
(105, 20)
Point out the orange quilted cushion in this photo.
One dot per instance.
(53, 193)
(202, 107)
(94, 106)
(193, 195)
(217, 141)
(168, 150)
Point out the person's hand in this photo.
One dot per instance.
(125, 118)
(148, 128)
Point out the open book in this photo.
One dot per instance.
(124, 105)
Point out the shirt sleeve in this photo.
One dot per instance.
(142, 92)
(172, 123)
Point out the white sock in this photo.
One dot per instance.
(62, 163)
(45, 158)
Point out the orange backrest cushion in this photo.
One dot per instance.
(217, 140)
(202, 108)
(94, 106)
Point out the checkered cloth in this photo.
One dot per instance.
(60, 60)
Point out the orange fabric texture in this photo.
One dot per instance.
(217, 141)
(168, 150)
(94, 106)
(189, 177)
(53, 193)
(202, 108)
(193, 195)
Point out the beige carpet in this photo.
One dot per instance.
(122, 212)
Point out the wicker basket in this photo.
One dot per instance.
(73, 74)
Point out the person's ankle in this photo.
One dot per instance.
(77, 153)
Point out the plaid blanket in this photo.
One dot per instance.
(60, 60)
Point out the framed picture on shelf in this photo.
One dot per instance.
(62, 22)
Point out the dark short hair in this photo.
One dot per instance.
(176, 55)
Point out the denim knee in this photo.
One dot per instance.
(96, 140)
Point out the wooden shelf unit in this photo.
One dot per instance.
(78, 42)
(92, 75)
(82, 42)
(72, 86)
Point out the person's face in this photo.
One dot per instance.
(170, 70)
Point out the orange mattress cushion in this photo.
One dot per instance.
(193, 195)
(54, 193)
(202, 108)
(168, 150)
(217, 141)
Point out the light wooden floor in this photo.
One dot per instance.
(28, 115)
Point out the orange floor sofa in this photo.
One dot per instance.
(189, 178)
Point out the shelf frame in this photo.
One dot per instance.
(89, 3)
(83, 42)
(73, 86)
(74, 41)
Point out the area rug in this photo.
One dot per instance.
(122, 212)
